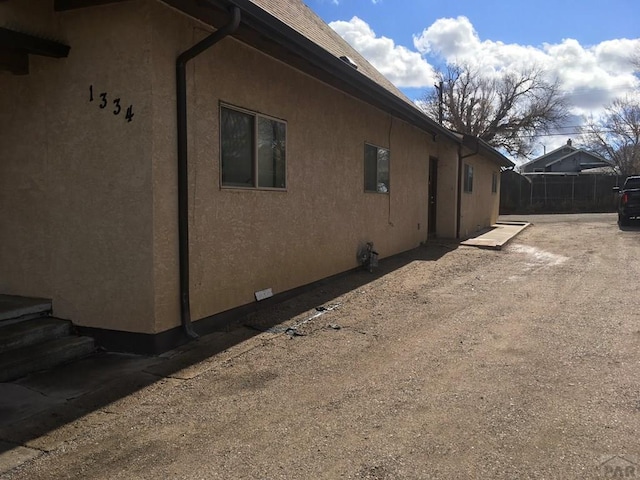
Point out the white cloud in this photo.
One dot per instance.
(447, 37)
(403, 67)
(591, 76)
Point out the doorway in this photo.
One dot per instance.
(433, 196)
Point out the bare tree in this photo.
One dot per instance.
(507, 110)
(616, 135)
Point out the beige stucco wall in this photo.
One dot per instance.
(247, 240)
(479, 209)
(447, 190)
(88, 201)
(75, 180)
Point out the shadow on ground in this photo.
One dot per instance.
(34, 406)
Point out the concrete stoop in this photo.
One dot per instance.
(16, 309)
(497, 236)
(32, 340)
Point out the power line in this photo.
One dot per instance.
(563, 134)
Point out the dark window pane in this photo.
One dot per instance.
(236, 132)
(383, 171)
(271, 153)
(370, 168)
(468, 178)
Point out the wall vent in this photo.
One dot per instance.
(349, 61)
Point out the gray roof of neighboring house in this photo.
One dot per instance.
(597, 160)
(551, 157)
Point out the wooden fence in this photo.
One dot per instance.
(557, 193)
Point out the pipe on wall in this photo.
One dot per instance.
(459, 192)
(183, 166)
(461, 157)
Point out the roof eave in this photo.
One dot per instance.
(373, 93)
(475, 143)
(360, 86)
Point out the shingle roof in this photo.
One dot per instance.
(552, 158)
(550, 154)
(301, 18)
(291, 32)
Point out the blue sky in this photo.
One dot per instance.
(511, 21)
(585, 43)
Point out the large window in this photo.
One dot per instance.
(468, 178)
(253, 149)
(376, 169)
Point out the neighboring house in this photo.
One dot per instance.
(148, 187)
(566, 159)
(566, 180)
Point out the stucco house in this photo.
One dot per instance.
(165, 163)
(565, 159)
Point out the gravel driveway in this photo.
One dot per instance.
(448, 363)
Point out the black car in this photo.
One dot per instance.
(628, 200)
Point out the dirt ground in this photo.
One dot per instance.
(449, 362)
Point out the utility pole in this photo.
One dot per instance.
(439, 88)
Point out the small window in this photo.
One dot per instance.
(376, 169)
(252, 150)
(494, 183)
(468, 178)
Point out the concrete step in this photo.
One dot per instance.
(32, 331)
(14, 308)
(22, 361)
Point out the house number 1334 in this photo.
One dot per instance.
(115, 105)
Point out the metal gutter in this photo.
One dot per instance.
(290, 39)
(483, 147)
(183, 166)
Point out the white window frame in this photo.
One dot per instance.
(381, 187)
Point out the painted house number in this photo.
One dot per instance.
(115, 104)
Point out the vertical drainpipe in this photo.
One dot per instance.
(183, 170)
(459, 202)
(461, 157)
